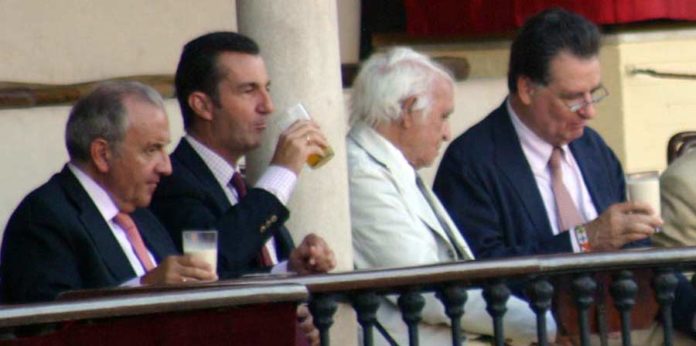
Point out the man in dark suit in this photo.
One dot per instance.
(531, 178)
(223, 91)
(76, 231)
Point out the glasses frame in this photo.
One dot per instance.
(596, 96)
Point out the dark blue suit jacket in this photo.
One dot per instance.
(56, 240)
(488, 187)
(191, 198)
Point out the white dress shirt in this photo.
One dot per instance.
(277, 180)
(108, 211)
(537, 152)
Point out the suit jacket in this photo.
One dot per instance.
(678, 194)
(56, 240)
(191, 198)
(393, 225)
(488, 188)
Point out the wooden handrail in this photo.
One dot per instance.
(471, 272)
(185, 298)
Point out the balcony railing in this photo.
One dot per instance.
(362, 290)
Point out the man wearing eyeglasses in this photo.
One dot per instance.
(531, 178)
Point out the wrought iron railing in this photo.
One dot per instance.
(363, 289)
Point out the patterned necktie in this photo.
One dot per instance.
(568, 215)
(461, 254)
(239, 185)
(126, 223)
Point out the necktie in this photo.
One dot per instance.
(126, 223)
(239, 185)
(568, 215)
(445, 226)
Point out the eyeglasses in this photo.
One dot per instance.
(596, 96)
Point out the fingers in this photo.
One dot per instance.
(620, 224)
(314, 256)
(302, 139)
(306, 324)
(178, 269)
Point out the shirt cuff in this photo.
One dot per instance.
(279, 181)
(280, 268)
(579, 240)
(574, 241)
(134, 282)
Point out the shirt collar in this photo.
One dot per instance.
(106, 206)
(222, 170)
(537, 150)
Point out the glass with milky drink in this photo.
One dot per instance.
(202, 244)
(645, 187)
(295, 113)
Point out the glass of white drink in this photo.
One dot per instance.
(202, 244)
(645, 187)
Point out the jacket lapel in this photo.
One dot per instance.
(591, 170)
(510, 159)
(189, 159)
(94, 224)
(405, 181)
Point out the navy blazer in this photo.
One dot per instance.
(487, 186)
(56, 240)
(191, 198)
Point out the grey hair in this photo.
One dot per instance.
(102, 114)
(386, 80)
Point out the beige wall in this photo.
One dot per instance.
(642, 112)
(80, 40)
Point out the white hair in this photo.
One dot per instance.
(388, 79)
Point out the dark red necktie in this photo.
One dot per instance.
(239, 185)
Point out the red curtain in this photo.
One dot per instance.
(481, 17)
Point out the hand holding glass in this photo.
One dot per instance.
(202, 244)
(645, 187)
(293, 114)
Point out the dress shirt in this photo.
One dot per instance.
(108, 211)
(538, 152)
(277, 180)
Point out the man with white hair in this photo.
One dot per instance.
(400, 108)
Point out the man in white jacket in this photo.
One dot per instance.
(399, 118)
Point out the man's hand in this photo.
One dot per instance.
(312, 256)
(620, 224)
(296, 143)
(306, 324)
(178, 269)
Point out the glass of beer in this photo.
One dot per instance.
(295, 113)
(645, 187)
(202, 244)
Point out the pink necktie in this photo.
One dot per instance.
(568, 215)
(127, 224)
(239, 185)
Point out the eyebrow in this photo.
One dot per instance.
(580, 94)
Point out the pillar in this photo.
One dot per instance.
(299, 43)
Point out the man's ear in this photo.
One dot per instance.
(407, 113)
(525, 89)
(201, 104)
(101, 154)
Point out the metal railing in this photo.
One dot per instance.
(449, 282)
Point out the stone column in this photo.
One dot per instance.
(299, 43)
